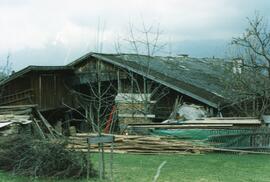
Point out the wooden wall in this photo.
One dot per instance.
(17, 92)
(47, 89)
(87, 71)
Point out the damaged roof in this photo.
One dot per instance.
(198, 78)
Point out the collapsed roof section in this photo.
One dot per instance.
(198, 78)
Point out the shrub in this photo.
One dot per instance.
(24, 155)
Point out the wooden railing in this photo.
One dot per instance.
(17, 97)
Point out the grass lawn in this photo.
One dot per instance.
(180, 168)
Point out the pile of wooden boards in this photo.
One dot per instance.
(9, 123)
(12, 117)
(233, 121)
(215, 122)
(131, 106)
(141, 144)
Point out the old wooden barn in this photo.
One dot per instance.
(136, 88)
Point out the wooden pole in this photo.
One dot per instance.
(119, 86)
(40, 90)
(100, 140)
(88, 162)
(111, 161)
(100, 161)
(103, 161)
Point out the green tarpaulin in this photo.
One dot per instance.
(196, 134)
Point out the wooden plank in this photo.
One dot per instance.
(182, 126)
(17, 112)
(40, 132)
(47, 124)
(231, 118)
(18, 107)
(212, 121)
(136, 115)
(100, 139)
(12, 116)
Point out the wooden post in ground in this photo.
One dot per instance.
(111, 161)
(88, 160)
(100, 140)
(101, 167)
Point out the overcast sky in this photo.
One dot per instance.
(55, 32)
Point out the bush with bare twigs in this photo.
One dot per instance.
(24, 155)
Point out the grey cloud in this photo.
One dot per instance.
(199, 29)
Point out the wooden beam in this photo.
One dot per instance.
(181, 126)
(119, 90)
(224, 121)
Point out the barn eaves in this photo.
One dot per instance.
(34, 68)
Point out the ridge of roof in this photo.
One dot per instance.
(78, 60)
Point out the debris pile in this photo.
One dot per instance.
(142, 144)
(11, 118)
(24, 119)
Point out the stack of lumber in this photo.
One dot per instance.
(13, 116)
(130, 107)
(141, 144)
(17, 109)
(215, 122)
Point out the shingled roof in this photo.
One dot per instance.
(198, 78)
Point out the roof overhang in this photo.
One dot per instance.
(35, 68)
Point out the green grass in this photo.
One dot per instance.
(183, 168)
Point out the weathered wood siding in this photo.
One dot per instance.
(17, 92)
(128, 82)
(87, 71)
(47, 89)
(51, 89)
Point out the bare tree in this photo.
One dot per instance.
(254, 44)
(5, 72)
(144, 44)
(97, 98)
(6, 69)
(248, 75)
